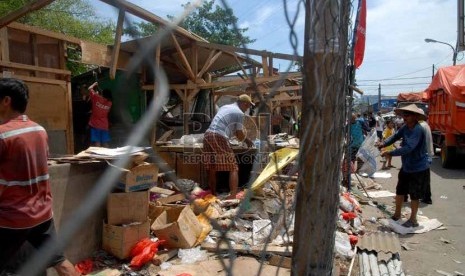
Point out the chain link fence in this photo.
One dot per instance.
(297, 209)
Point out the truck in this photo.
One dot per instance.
(420, 99)
(446, 104)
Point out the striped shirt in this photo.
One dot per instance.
(25, 197)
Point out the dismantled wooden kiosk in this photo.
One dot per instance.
(191, 64)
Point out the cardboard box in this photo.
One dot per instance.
(178, 226)
(138, 177)
(119, 240)
(125, 208)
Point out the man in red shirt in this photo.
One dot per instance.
(101, 104)
(25, 197)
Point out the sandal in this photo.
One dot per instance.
(391, 166)
(394, 218)
(410, 223)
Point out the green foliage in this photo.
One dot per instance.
(215, 24)
(75, 18)
(141, 29)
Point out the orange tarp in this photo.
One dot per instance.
(451, 79)
(412, 97)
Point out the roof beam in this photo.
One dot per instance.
(117, 46)
(249, 51)
(14, 15)
(146, 15)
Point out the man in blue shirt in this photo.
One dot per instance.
(414, 174)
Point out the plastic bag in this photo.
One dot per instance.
(85, 267)
(143, 252)
(368, 153)
(192, 255)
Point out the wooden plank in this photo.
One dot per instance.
(247, 249)
(146, 15)
(248, 81)
(281, 261)
(41, 80)
(36, 30)
(117, 45)
(184, 60)
(164, 256)
(30, 7)
(5, 50)
(15, 65)
(211, 59)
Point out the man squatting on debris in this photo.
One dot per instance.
(25, 197)
(219, 156)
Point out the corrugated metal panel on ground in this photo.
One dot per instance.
(380, 242)
(379, 254)
(370, 265)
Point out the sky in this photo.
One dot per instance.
(396, 55)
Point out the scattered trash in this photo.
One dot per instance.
(458, 273)
(457, 261)
(444, 273)
(192, 255)
(406, 247)
(444, 240)
(85, 267)
(261, 229)
(343, 246)
(165, 265)
(443, 197)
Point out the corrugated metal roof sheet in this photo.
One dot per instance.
(370, 265)
(380, 242)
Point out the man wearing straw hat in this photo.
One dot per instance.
(414, 173)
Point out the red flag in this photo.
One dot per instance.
(359, 49)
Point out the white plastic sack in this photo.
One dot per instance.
(368, 153)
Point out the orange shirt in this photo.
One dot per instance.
(25, 197)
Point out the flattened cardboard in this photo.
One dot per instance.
(178, 226)
(125, 208)
(139, 177)
(119, 240)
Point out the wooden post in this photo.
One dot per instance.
(323, 105)
(157, 66)
(5, 50)
(185, 111)
(117, 44)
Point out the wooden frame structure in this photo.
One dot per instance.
(190, 62)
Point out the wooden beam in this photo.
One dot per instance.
(33, 68)
(117, 45)
(208, 63)
(290, 98)
(180, 93)
(36, 30)
(14, 15)
(266, 71)
(185, 110)
(242, 67)
(270, 66)
(263, 91)
(4, 41)
(146, 15)
(248, 81)
(195, 58)
(184, 60)
(69, 128)
(249, 51)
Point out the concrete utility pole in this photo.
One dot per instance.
(323, 117)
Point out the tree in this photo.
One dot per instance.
(215, 24)
(75, 18)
